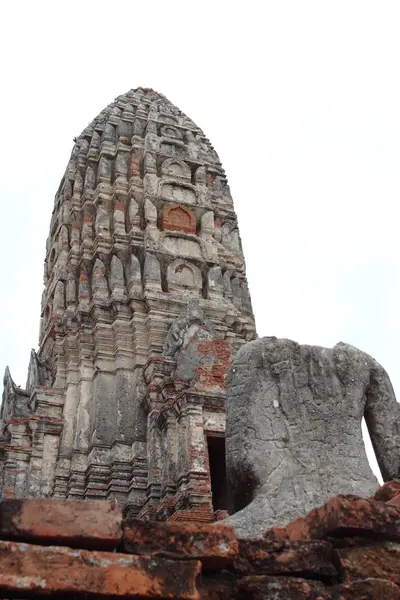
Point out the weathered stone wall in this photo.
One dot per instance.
(348, 549)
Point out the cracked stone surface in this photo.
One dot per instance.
(293, 431)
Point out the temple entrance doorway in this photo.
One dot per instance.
(219, 483)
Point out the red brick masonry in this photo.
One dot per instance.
(349, 548)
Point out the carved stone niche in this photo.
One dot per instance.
(170, 132)
(183, 276)
(180, 193)
(178, 218)
(172, 167)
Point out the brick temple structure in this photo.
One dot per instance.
(145, 301)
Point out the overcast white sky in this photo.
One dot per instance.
(301, 101)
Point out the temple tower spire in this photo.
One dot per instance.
(143, 236)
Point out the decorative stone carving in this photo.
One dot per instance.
(293, 431)
(119, 217)
(226, 280)
(202, 357)
(109, 132)
(207, 225)
(215, 283)
(75, 236)
(71, 292)
(104, 172)
(117, 280)
(102, 223)
(59, 300)
(178, 193)
(83, 293)
(39, 373)
(149, 163)
(179, 218)
(134, 278)
(183, 276)
(175, 168)
(99, 283)
(63, 243)
(87, 231)
(152, 273)
(61, 265)
(178, 244)
(191, 316)
(121, 165)
(134, 214)
(150, 213)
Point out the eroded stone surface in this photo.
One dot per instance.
(308, 559)
(90, 524)
(290, 588)
(38, 570)
(293, 434)
(281, 588)
(368, 589)
(343, 516)
(381, 561)
(214, 545)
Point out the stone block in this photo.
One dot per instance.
(367, 589)
(75, 523)
(380, 561)
(294, 588)
(343, 516)
(281, 588)
(214, 545)
(35, 570)
(305, 559)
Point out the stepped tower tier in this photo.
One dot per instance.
(145, 300)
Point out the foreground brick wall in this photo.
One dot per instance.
(347, 549)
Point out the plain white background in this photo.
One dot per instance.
(301, 101)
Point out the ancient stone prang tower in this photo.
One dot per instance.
(145, 300)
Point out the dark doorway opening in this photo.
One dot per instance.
(219, 484)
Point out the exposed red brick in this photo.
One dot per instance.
(220, 515)
(119, 205)
(395, 501)
(216, 375)
(38, 570)
(293, 588)
(388, 490)
(311, 559)
(281, 588)
(380, 561)
(178, 218)
(135, 163)
(343, 516)
(369, 589)
(215, 545)
(76, 523)
(192, 516)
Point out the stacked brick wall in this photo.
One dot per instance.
(347, 549)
